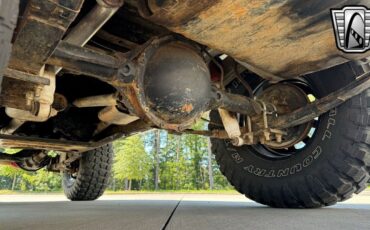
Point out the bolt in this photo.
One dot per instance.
(125, 70)
(38, 91)
(266, 135)
(29, 97)
(125, 73)
(279, 138)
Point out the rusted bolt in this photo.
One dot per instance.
(125, 73)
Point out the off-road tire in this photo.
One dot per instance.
(335, 165)
(8, 20)
(92, 177)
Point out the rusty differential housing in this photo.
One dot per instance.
(173, 85)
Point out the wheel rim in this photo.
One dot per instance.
(69, 180)
(284, 153)
(71, 176)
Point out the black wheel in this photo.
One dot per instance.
(8, 21)
(91, 176)
(330, 163)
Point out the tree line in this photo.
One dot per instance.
(155, 160)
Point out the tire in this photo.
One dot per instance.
(334, 164)
(8, 21)
(92, 177)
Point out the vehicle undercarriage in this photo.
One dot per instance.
(82, 74)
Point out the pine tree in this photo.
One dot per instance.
(131, 160)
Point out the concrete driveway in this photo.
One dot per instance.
(174, 211)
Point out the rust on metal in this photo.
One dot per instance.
(216, 133)
(14, 94)
(26, 77)
(42, 27)
(172, 84)
(116, 40)
(85, 61)
(235, 103)
(174, 12)
(323, 105)
(188, 107)
(130, 92)
(286, 38)
(285, 98)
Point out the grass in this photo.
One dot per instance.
(7, 192)
(231, 192)
(109, 192)
(10, 192)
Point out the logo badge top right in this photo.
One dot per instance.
(352, 28)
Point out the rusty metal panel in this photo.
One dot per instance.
(42, 27)
(283, 37)
(14, 93)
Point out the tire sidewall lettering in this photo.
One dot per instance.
(284, 172)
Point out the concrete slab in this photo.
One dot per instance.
(105, 215)
(151, 211)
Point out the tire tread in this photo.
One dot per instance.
(93, 177)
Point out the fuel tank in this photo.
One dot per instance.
(284, 38)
